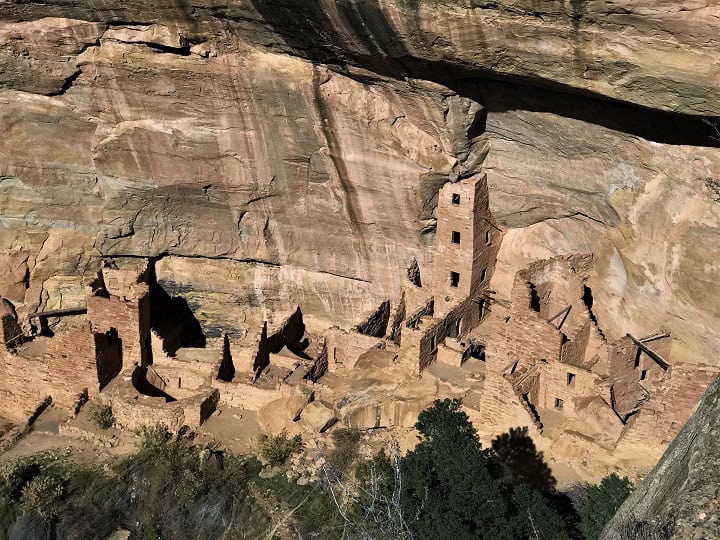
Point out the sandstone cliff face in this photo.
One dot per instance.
(659, 54)
(289, 152)
(680, 494)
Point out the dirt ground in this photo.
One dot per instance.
(236, 429)
(44, 436)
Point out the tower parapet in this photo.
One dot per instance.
(467, 241)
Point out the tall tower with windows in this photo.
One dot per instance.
(465, 244)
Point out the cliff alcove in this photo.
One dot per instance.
(507, 199)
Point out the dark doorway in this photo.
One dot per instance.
(475, 350)
(587, 297)
(534, 298)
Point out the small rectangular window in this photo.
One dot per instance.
(433, 344)
(559, 404)
(455, 237)
(456, 199)
(488, 240)
(483, 274)
(643, 375)
(454, 279)
(570, 379)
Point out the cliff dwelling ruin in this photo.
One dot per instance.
(540, 360)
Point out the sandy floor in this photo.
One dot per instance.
(237, 429)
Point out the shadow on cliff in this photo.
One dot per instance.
(363, 36)
(652, 125)
(172, 319)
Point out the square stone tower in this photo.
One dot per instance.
(466, 243)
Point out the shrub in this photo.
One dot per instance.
(190, 487)
(277, 449)
(154, 439)
(347, 445)
(41, 496)
(102, 416)
(15, 475)
(577, 493)
(601, 504)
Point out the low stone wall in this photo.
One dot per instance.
(147, 412)
(344, 348)
(20, 430)
(98, 439)
(135, 413)
(246, 395)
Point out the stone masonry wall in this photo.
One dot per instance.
(22, 383)
(130, 318)
(10, 331)
(501, 409)
(421, 344)
(65, 370)
(455, 212)
(573, 351)
(71, 366)
(623, 375)
(467, 242)
(526, 336)
(553, 384)
(245, 395)
(344, 348)
(487, 238)
(671, 404)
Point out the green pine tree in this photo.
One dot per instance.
(452, 488)
(602, 503)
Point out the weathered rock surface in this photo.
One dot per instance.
(274, 168)
(680, 495)
(659, 54)
(263, 179)
(645, 209)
